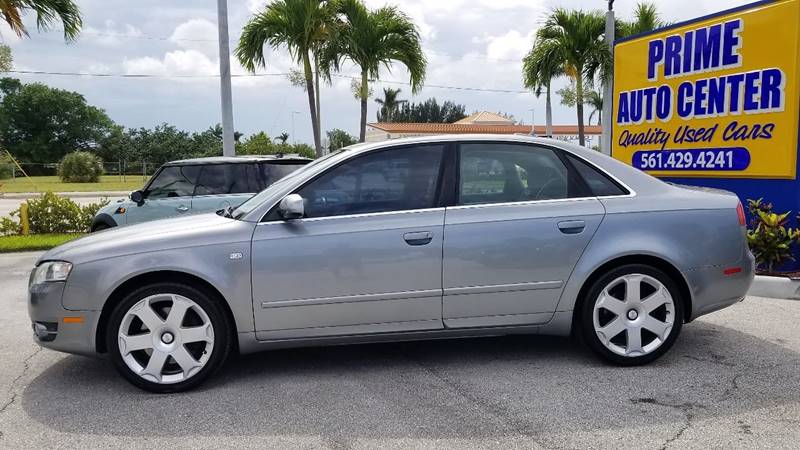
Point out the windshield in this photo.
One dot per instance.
(257, 199)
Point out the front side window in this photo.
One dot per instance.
(390, 180)
(221, 179)
(173, 181)
(501, 173)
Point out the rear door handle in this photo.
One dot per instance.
(571, 226)
(182, 208)
(418, 237)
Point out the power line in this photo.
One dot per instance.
(257, 75)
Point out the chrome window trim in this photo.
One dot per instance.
(356, 216)
(523, 203)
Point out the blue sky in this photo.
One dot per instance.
(475, 43)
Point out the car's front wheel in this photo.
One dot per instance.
(632, 314)
(168, 337)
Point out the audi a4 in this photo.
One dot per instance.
(445, 236)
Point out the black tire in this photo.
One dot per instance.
(586, 317)
(222, 330)
(100, 227)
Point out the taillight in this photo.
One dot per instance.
(740, 213)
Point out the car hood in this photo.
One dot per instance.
(157, 235)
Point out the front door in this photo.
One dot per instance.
(522, 220)
(168, 194)
(366, 258)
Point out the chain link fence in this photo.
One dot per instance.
(125, 170)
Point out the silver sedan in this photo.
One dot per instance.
(446, 236)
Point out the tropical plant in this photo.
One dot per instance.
(302, 26)
(80, 167)
(540, 66)
(770, 239)
(6, 58)
(389, 104)
(47, 13)
(576, 37)
(372, 39)
(594, 100)
(283, 137)
(339, 138)
(645, 18)
(6, 166)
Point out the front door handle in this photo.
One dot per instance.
(182, 208)
(571, 226)
(418, 237)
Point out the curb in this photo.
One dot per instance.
(27, 195)
(775, 287)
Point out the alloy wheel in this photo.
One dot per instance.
(633, 315)
(166, 338)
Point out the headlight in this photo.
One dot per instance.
(51, 271)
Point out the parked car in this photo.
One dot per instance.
(407, 239)
(199, 185)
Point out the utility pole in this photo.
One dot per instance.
(228, 148)
(608, 88)
(294, 139)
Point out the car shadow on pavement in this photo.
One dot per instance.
(463, 388)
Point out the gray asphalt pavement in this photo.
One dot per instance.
(731, 381)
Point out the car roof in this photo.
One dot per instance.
(293, 157)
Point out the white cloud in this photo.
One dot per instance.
(197, 34)
(110, 35)
(174, 63)
(510, 46)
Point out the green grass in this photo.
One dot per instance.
(31, 242)
(43, 184)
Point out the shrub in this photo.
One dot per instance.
(51, 213)
(769, 238)
(6, 167)
(80, 167)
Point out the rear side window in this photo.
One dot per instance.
(494, 172)
(272, 172)
(600, 184)
(220, 179)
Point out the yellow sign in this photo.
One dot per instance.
(714, 97)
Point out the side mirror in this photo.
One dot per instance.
(291, 207)
(137, 197)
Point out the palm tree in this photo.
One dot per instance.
(539, 67)
(595, 101)
(283, 137)
(389, 103)
(372, 39)
(646, 18)
(577, 37)
(47, 12)
(302, 26)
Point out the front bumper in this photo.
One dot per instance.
(57, 328)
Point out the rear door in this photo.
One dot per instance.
(222, 185)
(522, 219)
(367, 258)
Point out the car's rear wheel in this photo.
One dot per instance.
(168, 337)
(632, 314)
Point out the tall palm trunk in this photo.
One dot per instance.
(364, 94)
(548, 113)
(317, 92)
(312, 106)
(579, 104)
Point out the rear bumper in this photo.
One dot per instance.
(713, 289)
(57, 328)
